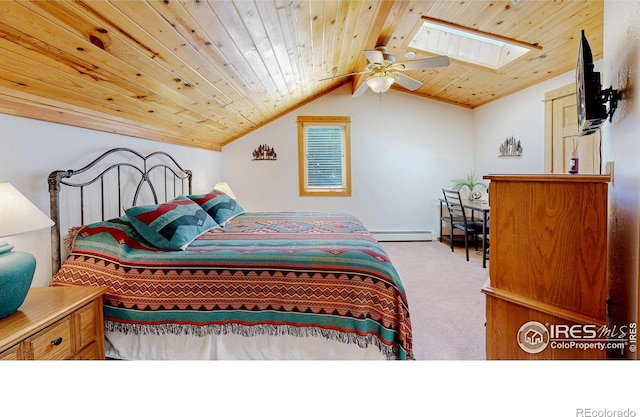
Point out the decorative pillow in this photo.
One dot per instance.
(71, 237)
(172, 225)
(219, 206)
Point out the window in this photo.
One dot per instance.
(324, 159)
(468, 44)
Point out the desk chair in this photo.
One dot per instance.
(460, 221)
(485, 253)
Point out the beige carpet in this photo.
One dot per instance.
(446, 306)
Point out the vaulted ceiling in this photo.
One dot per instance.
(204, 73)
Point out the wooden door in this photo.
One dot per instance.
(561, 135)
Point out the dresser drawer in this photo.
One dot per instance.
(91, 352)
(10, 354)
(87, 324)
(53, 343)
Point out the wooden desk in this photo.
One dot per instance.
(473, 205)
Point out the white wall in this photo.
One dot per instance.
(621, 144)
(404, 150)
(520, 115)
(30, 150)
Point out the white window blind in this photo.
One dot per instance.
(325, 158)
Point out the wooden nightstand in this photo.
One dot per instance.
(55, 323)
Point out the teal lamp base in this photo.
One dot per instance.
(16, 275)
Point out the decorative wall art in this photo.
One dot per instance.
(510, 147)
(264, 153)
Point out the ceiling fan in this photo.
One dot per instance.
(383, 71)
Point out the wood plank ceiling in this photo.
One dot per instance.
(204, 73)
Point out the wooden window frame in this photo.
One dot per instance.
(345, 123)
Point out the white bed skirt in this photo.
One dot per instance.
(233, 347)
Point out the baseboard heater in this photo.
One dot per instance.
(404, 236)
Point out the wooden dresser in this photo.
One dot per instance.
(547, 289)
(55, 323)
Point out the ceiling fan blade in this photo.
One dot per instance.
(436, 61)
(407, 82)
(374, 56)
(343, 75)
(361, 90)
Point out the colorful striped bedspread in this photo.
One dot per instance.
(320, 274)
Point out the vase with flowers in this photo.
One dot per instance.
(471, 184)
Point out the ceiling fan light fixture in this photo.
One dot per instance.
(380, 83)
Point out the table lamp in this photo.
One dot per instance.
(17, 215)
(224, 187)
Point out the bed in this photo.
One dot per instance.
(225, 283)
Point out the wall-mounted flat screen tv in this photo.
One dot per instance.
(592, 112)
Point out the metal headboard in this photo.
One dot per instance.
(175, 180)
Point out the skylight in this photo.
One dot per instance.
(466, 45)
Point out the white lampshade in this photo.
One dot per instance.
(380, 83)
(224, 187)
(17, 214)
